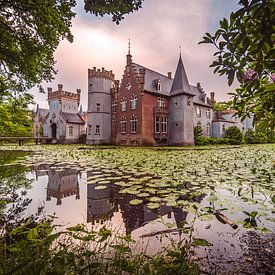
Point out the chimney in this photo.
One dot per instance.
(169, 74)
(49, 90)
(212, 97)
(60, 87)
(78, 91)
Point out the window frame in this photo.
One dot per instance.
(123, 125)
(133, 123)
(157, 124)
(97, 129)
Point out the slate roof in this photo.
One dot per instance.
(73, 118)
(180, 83)
(151, 77)
(197, 98)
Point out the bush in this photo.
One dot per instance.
(234, 135)
(82, 138)
(255, 137)
(271, 137)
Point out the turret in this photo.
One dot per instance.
(180, 115)
(100, 87)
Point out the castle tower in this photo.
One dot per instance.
(100, 84)
(180, 115)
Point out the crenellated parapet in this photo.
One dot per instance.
(60, 93)
(101, 73)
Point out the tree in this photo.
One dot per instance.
(15, 118)
(234, 135)
(246, 52)
(116, 8)
(30, 32)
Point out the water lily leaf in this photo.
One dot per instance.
(135, 202)
(100, 187)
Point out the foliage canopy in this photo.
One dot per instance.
(116, 8)
(246, 52)
(29, 34)
(15, 118)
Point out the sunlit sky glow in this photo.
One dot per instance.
(156, 32)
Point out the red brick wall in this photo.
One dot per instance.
(129, 138)
(144, 111)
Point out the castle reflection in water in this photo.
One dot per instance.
(103, 203)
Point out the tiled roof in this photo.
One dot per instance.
(73, 118)
(151, 77)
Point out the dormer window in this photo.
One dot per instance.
(159, 86)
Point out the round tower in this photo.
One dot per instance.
(100, 83)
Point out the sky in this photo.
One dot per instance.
(156, 32)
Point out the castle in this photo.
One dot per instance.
(64, 121)
(144, 108)
(148, 108)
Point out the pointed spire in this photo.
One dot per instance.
(129, 46)
(129, 56)
(180, 82)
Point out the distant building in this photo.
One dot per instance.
(39, 119)
(148, 108)
(64, 121)
(224, 119)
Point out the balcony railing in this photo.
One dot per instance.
(161, 110)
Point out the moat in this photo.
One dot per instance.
(225, 193)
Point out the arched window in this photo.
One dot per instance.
(198, 111)
(134, 102)
(123, 123)
(133, 124)
(123, 104)
(114, 106)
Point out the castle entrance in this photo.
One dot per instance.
(54, 131)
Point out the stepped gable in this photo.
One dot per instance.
(151, 77)
(180, 83)
(200, 97)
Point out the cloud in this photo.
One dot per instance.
(156, 32)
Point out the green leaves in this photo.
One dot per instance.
(116, 8)
(246, 43)
(30, 33)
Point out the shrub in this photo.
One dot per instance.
(255, 137)
(82, 138)
(234, 135)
